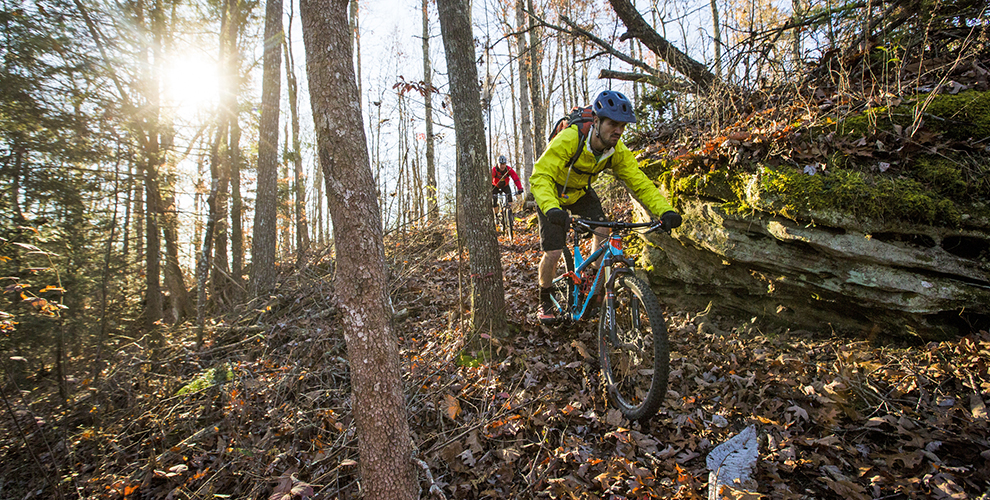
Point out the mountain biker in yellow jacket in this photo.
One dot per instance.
(559, 188)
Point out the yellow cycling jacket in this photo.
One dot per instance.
(550, 174)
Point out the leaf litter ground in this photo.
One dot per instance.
(266, 410)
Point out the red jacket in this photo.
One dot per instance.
(501, 177)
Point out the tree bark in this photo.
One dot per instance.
(679, 61)
(525, 113)
(432, 208)
(535, 85)
(264, 233)
(360, 284)
(302, 219)
(475, 219)
(717, 38)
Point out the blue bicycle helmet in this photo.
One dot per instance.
(501, 159)
(614, 105)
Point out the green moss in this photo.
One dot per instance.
(208, 378)
(718, 181)
(858, 194)
(961, 116)
(940, 174)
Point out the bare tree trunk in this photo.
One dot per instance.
(204, 262)
(285, 208)
(525, 120)
(153, 155)
(236, 206)
(475, 220)
(229, 272)
(139, 213)
(180, 306)
(384, 443)
(717, 38)
(266, 204)
(536, 85)
(125, 251)
(432, 208)
(797, 9)
(318, 202)
(302, 224)
(417, 167)
(198, 205)
(153, 287)
(516, 152)
(354, 19)
(101, 338)
(302, 221)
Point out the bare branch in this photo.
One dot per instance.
(681, 62)
(662, 80)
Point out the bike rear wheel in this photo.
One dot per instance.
(634, 349)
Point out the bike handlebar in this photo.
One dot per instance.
(588, 225)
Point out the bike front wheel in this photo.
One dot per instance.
(507, 213)
(634, 349)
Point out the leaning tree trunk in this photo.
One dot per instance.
(679, 61)
(384, 443)
(475, 223)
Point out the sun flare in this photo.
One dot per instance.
(191, 82)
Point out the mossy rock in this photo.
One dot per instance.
(861, 195)
(961, 116)
(930, 194)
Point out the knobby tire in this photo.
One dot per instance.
(507, 214)
(633, 349)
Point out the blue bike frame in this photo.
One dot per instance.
(612, 251)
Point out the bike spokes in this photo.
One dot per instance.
(633, 348)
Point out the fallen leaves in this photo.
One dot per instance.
(834, 417)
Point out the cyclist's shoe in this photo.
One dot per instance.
(546, 315)
(547, 312)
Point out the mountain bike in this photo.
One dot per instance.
(503, 215)
(633, 346)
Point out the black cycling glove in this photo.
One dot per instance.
(670, 219)
(558, 217)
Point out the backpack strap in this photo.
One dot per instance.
(582, 138)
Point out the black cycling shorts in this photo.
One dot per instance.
(507, 189)
(554, 237)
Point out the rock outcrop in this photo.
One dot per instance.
(824, 270)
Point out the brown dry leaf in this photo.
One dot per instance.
(978, 407)
(581, 348)
(474, 442)
(452, 407)
(449, 452)
(290, 488)
(729, 493)
(847, 489)
(910, 459)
